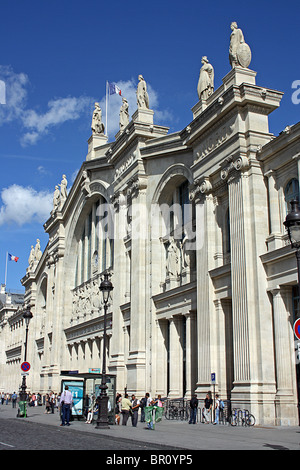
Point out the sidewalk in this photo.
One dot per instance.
(178, 434)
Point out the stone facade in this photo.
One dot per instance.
(190, 225)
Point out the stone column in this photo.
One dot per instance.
(239, 281)
(275, 238)
(285, 402)
(118, 345)
(138, 312)
(205, 221)
(175, 364)
(191, 353)
(160, 354)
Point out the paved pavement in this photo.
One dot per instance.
(178, 434)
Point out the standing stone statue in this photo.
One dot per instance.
(124, 114)
(63, 188)
(141, 94)
(31, 257)
(37, 251)
(206, 80)
(172, 259)
(56, 199)
(239, 51)
(97, 124)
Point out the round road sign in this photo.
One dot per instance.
(297, 328)
(25, 366)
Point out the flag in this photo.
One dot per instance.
(114, 89)
(12, 257)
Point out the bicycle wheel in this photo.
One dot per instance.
(233, 420)
(239, 418)
(250, 420)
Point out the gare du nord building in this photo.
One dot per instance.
(190, 226)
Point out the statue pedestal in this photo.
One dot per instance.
(143, 115)
(94, 142)
(239, 75)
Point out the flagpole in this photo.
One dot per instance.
(6, 269)
(106, 107)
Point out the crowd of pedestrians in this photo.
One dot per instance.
(127, 408)
(211, 412)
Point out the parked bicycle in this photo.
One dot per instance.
(177, 409)
(241, 418)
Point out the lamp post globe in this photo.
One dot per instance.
(292, 224)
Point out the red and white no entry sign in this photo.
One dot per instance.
(25, 366)
(297, 328)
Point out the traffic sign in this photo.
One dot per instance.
(25, 366)
(213, 377)
(297, 328)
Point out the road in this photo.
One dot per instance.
(25, 435)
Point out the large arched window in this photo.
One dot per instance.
(95, 246)
(291, 192)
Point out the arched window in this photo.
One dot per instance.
(291, 192)
(95, 246)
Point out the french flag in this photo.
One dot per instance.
(12, 257)
(114, 89)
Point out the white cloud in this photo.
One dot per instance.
(23, 205)
(60, 111)
(36, 124)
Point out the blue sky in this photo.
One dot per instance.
(55, 58)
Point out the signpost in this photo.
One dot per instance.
(213, 381)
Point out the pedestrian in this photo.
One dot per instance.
(125, 408)
(135, 403)
(194, 407)
(2, 398)
(47, 404)
(208, 403)
(157, 401)
(92, 409)
(14, 399)
(118, 408)
(217, 410)
(66, 401)
(145, 401)
(52, 402)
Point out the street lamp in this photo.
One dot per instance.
(102, 421)
(292, 224)
(27, 315)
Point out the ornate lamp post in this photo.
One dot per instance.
(102, 421)
(292, 224)
(27, 315)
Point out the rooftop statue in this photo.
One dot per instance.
(97, 124)
(239, 51)
(206, 80)
(141, 94)
(63, 188)
(124, 114)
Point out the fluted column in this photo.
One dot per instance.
(239, 281)
(286, 409)
(191, 353)
(275, 237)
(205, 224)
(175, 371)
